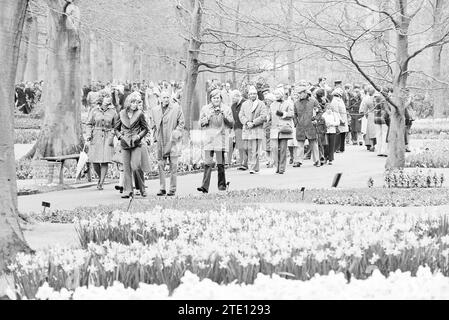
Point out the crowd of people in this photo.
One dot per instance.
(27, 95)
(253, 120)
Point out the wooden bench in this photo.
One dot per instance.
(60, 160)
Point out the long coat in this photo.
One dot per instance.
(255, 112)
(169, 126)
(277, 122)
(353, 109)
(216, 127)
(303, 117)
(339, 106)
(101, 130)
(367, 108)
(238, 126)
(380, 109)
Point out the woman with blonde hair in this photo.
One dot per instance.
(131, 127)
(101, 135)
(215, 119)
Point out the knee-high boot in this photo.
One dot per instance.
(221, 178)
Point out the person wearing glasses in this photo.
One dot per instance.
(130, 128)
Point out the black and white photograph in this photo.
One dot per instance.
(240, 151)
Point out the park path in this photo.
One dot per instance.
(356, 164)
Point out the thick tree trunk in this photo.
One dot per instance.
(237, 30)
(93, 56)
(136, 64)
(32, 63)
(396, 140)
(24, 48)
(440, 89)
(291, 47)
(61, 132)
(86, 68)
(192, 63)
(108, 54)
(12, 18)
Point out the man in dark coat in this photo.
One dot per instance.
(305, 122)
(22, 99)
(237, 102)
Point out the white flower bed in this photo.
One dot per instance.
(334, 286)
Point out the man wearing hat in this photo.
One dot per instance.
(253, 115)
(304, 121)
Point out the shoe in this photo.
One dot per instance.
(408, 150)
(372, 149)
(360, 143)
(317, 164)
(291, 161)
(281, 172)
(252, 172)
(297, 165)
(100, 187)
(221, 189)
(118, 188)
(243, 168)
(337, 151)
(162, 193)
(354, 143)
(170, 194)
(130, 195)
(329, 163)
(201, 189)
(143, 194)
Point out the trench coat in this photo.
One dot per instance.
(101, 133)
(169, 126)
(255, 112)
(278, 122)
(339, 106)
(303, 117)
(216, 127)
(367, 108)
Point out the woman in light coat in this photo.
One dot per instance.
(343, 128)
(101, 135)
(215, 119)
(367, 109)
(281, 116)
(332, 120)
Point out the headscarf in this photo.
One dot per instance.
(216, 92)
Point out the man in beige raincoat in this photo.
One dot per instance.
(253, 115)
(168, 123)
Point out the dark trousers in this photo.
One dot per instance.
(329, 149)
(220, 156)
(340, 141)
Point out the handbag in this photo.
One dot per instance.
(286, 129)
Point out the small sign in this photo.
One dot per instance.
(336, 180)
(303, 190)
(46, 204)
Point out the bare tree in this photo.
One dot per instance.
(323, 26)
(12, 18)
(61, 133)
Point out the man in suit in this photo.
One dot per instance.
(253, 115)
(237, 102)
